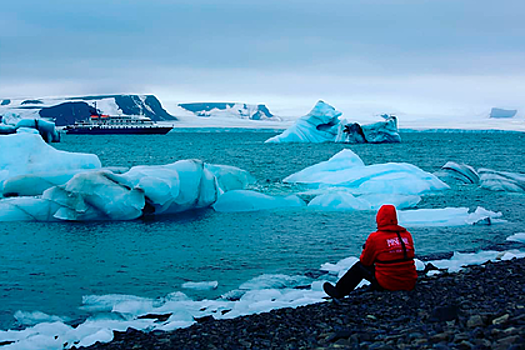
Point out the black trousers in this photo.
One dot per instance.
(354, 276)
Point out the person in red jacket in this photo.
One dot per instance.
(387, 260)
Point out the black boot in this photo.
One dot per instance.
(331, 290)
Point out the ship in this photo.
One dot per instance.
(100, 124)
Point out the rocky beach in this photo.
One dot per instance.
(480, 307)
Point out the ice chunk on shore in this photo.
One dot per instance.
(320, 125)
(502, 180)
(344, 170)
(29, 154)
(453, 172)
(36, 317)
(245, 200)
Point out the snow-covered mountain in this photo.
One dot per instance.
(67, 110)
(229, 110)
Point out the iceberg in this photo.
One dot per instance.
(448, 217)
(381, 132)
(99, 195)
(29, 154)
(502, 113)
(347, 170)
(27, 209)
(36, 184)
(320, 125)
(13, 123)
(143, 190)
(342, 200)
(501, 180)
(207, 285)
(518, 237)
(453, 172)
(245, 200)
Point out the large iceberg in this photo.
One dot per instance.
(320, 125)
(29, 155)
(347, 170)
(143, 190)
(74, 187)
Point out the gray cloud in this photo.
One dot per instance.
(258, 48)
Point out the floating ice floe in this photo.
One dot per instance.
(245, 200)
(518, 237)
(448, 217)
(347, 170)
(489, 179)
(453, 172)
(501, 180)
(342, 200)
(206, 285)
(29, 155)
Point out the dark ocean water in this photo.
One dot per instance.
(50, 266)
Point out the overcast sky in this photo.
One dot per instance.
(362, 56)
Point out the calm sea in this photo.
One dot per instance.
(49, 266)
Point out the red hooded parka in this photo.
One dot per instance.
(393, 259)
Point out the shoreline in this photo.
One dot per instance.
(482, 307)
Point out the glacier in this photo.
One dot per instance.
(230, 110)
